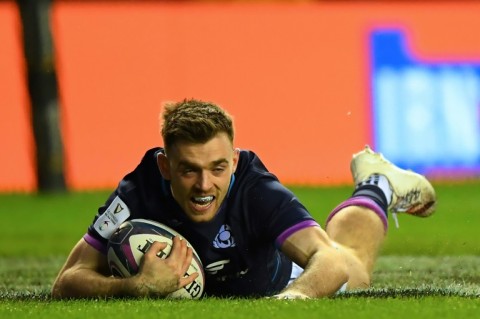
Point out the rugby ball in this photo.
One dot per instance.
(133, 238)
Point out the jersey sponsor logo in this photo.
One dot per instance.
(224, 238)
(214, 267)
(116, 213)
(104, 225)
(118, 209)
(230, 277)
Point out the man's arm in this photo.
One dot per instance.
(86, 273)
(325, 267)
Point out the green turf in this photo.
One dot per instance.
(426, 307)
(452, 230)
(428, 267)
(42, 225)
(51, 224)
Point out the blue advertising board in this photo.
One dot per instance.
(426, 114)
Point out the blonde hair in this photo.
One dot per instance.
(194, 121)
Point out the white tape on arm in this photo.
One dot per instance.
(116, 213)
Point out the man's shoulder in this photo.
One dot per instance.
(149, 160)
(145, 176)
(251, 171)
(250, 161)
(151, 154)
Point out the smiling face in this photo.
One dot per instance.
(200, 174)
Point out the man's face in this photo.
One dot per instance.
(200, 175)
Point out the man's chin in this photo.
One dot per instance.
(200, 214)
(201, 217)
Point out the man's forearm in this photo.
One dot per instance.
(85, 283)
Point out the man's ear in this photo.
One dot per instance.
(236, 157)
(163, 165)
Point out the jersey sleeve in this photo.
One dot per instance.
(109, 217)
(128, 201)
(278, 212)
(269, 211)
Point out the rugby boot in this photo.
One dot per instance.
(412, 193)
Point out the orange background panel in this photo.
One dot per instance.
(279, 69)
(16, 146)
(295, 76)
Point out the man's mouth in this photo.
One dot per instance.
(202, 201)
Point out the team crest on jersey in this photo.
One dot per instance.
(111, 219)
(224, 238)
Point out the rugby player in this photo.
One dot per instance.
(254, 237)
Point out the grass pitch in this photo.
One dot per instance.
(428, 268)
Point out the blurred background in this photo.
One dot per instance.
(309, 83)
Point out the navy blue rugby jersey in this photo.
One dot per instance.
(239, 247)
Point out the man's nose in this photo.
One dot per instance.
(204, 181)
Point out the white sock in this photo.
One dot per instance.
(382, 182)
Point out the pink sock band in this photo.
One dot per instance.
(363, 202)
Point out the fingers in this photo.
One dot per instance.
(185, 281)
(155, 248)
(286, 295)
(178, 260)
(183, 255)
(188, 259)
(179, 249)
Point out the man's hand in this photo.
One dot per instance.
(160, 277)
(290, 295)
(326, 269)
